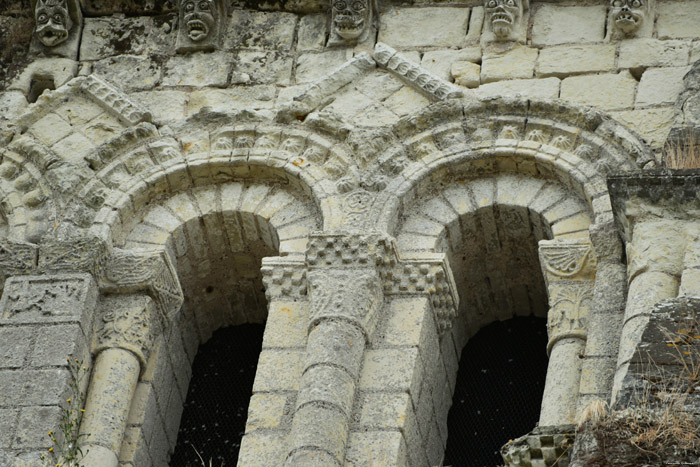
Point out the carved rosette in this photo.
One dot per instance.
(128, 322)
(569, 269)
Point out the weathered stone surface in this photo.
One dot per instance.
(439, 62)
(653, 53)
(660, 86)
(608, 91)
(652, 124)
(198, 70)
(415, 27)
(546, 88)
(564, 60)
(311, 67)
(261, 30)
(517, 63)
(249, 97)
(260, 67)
(164, 105)
(677, 20)
(312, 32)
(466, 74)
(133, 73)
(554, 24)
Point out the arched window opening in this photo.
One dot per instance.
(214, 416)
(498, 392)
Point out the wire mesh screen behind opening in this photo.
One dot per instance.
(499, 391)
(213, 420)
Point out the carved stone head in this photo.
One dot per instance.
(350, 20)
(53, 21)
(628, 16)
(505, 18)
(201, 24)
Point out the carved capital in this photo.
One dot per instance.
(569, 269)
(144, 271)
(284, 278)
(128, 322)
(352, 295)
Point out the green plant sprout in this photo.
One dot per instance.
(65, 450)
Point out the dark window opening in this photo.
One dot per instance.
(499, 391)
(38, 85)
(213, 420)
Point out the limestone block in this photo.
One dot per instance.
(133, 73)
(690, 283)
(33, 424)
(134, 448)
(106, 36)
(8, 422)
(76, 147)
(198, 69)
(652, 124)
(262, 67)
(313, 66)
(375, 116)
(261, 30)
(386, 448)
(16, 346)
(660, 86)
(439, 62)
(678, 20)
(378, 86)
(517, 63)
(554, 24)
(50, 129)
(546, 88)
(466, 74)
(403, 323)
(265, 411)
(165, 106)
(392, 369)
(33, 387)
(312, 32)
(12, 104)
(568, 59)
(55, 343)
(606, 91)
(235, 97)
(406, 101)
(695, 52)
(653, 53)
(416, 27)
(279, 370)
(287, 324)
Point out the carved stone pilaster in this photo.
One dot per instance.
(129, 322)
(569, 271)
(144, 271)
(58, 27)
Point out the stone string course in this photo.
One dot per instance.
(370, 180)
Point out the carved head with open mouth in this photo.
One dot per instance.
(628, 15)
(53, 21)
(197, 18)
(504, 16)
(351, 17)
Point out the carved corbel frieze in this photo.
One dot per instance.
(58, 25)
(569, 269)
(630, 18)
(144, 271)
(114, 101)
(128, 322)
(202, 25)
(351, 21)
(506, 21)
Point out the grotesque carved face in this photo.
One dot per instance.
(198, 18)
(52, 21)
(350, 17)
(504, 16)
(628, 15)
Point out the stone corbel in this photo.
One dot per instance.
(202, 25)
(506, 21)
(59, 24)
(351, 21)
(630, 18)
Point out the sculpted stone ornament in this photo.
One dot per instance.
(350, 21)
(57, 30)
(202, 24)
(628, 18)
(505, 20)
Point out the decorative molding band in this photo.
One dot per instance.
(114, 101)
(414, 75)
(284, 278)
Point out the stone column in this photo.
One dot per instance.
(569, 270)
(124, 339)
(346, 296)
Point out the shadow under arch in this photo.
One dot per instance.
(216, 236)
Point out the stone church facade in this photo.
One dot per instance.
(374, 182)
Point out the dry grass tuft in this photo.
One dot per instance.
(683, 153)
